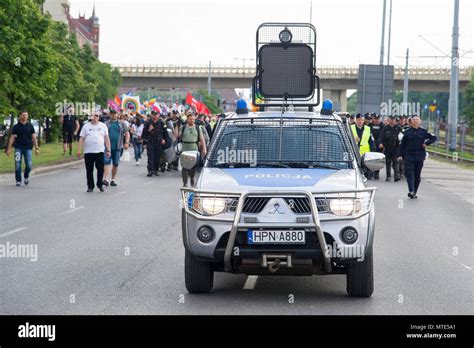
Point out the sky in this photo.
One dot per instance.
(348, 32)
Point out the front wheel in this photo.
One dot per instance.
(199, 276)
(360, 277)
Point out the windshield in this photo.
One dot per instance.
(275, 142)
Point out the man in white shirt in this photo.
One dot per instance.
(94, 136)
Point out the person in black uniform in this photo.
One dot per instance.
(153, 132)
(376, 128)
(389, 144)
(404, 125)
(70, 129)
(412, 151)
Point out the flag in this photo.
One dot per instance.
(131, 103)
(201, 108)
(117, 100)
(156, 107)
(112, 105)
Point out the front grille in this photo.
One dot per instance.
(254, 205)
(298, 205)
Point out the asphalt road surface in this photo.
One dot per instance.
(120, 252)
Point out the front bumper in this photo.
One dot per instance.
(323, 233)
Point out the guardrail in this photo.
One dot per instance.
(447, 156)
(343, 72)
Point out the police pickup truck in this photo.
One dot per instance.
(282, 191)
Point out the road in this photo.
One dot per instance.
(120, 252)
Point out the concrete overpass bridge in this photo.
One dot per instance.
(335, 80)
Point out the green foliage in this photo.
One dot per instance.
(468, 110)
(43, 66)
(210, 101)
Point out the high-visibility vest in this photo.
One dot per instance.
(364, 142)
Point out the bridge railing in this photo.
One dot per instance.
(342, 72)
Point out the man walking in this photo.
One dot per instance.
(153, 133)
(363, 138)
(119, 140)
(70, 128)
(192, 139)
(389, 144)
(94, 135)
(23, 138)
(412, 151)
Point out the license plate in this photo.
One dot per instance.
(275, 237)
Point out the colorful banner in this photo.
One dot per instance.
(130, 103)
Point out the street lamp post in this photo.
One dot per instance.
(454, 82)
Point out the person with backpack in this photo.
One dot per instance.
(389, 144)
(192, 139)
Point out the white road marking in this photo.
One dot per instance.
(119, 194)
(72, 210)
(455, 259)
(13, 231)
(250, 282)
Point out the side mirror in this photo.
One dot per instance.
(189, 159)
(373, 161)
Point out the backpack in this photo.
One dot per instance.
(180, 138)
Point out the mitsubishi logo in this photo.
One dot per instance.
(275, 209)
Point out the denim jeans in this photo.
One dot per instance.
(137, 149)
(19, 153)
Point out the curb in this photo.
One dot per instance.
(44, 169)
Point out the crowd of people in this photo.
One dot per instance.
(164, 135)
(402, 141)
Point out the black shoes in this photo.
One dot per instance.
(155, 173)
(101, 189)
(149, 174)
(387, 179)
(27, 181)
(105, 182)
(411, 195)
(112, 183)
(90, 190)
(397, 179)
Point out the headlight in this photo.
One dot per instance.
(209, 205)
(213, 206)
(341, 207)
(347, 206)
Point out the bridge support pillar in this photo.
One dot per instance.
(338, 97)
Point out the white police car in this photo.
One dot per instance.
(281, 193)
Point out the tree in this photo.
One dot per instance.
(468, 110)
(210, 101)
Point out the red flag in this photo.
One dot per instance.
(190, 100)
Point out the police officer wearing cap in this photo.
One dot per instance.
(412, 151)
(389, 143)
(376, 129)
(153, 132)
(363, 137)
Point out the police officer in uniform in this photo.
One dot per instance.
(153, 132)
(363, 138)
(389, 144)
(376, 129)
(412, 151)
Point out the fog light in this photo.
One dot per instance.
(205, 234)
(349, 235)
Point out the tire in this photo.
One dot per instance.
(360, 277)
(199, 275)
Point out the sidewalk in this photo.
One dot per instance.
(459, 181)
(42, 170)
